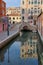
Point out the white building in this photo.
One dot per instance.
(14, 14)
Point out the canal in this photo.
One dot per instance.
(21, 51)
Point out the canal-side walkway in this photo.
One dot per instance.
(12, 33)
(3, 35)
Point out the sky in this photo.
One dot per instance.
(12, 3)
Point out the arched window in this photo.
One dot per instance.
(23, 11)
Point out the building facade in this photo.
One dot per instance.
(14, 14)
(40, 25)
(31, 8)
(2, 8)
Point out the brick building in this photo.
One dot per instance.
(2, 8)
(3, 25)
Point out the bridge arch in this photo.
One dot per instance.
(25, 27)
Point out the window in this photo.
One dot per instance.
(41, 2)
(35, 1)
(35, 10)
(32, 2)
(17, 17)
(23, 21)
(9, 18)
(30, 17)
(29, 10)
(10, 21)
(3, 12)
(22, 50)
(34, 51)
(31, 51)
(13, 18)
(23, 11)
(30, 45)
(13, 22)
(22, 17)
(32, 8)
(28, 50)
(22, 44)
(22, 55)
(38, 11)
(3, 5)
(29, 2)
(23, 2)
(38, 2)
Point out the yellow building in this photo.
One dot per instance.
(31, 8)
(14, 14)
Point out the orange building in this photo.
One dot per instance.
(2, 8)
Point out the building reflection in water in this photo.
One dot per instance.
(1, 56)
(2, 53)
(8, 56)
(29, 48)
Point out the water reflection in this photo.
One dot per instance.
(2, 54)
(29, 48)
(23, 51)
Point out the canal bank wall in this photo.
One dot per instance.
(40, 58)
(41, 38)
(8, 39)
(40, 50)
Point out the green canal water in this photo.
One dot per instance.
(21, 51)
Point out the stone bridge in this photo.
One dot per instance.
(27, 26)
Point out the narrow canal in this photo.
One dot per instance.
(21, 51)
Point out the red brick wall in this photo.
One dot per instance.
(2, 8)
